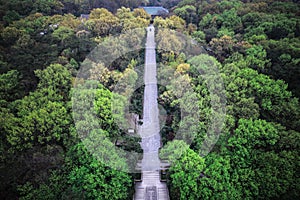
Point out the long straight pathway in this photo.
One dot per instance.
(151, 188)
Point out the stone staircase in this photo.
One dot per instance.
(139, 192)
(163, 193)
(150, 187)
(151, 178)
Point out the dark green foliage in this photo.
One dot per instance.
(256, 45)
(82, 177)
(9, 85)
(90, 175)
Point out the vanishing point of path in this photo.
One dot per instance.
(151, 188)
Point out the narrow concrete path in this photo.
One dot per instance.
(151, 187)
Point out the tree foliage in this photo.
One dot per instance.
(49, 151)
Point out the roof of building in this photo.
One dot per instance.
(85, 16)
(155, 10)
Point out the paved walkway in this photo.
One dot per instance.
(151, 188)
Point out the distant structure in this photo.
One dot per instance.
(156, 11)
(84, 16)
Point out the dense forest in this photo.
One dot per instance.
(254, 44)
